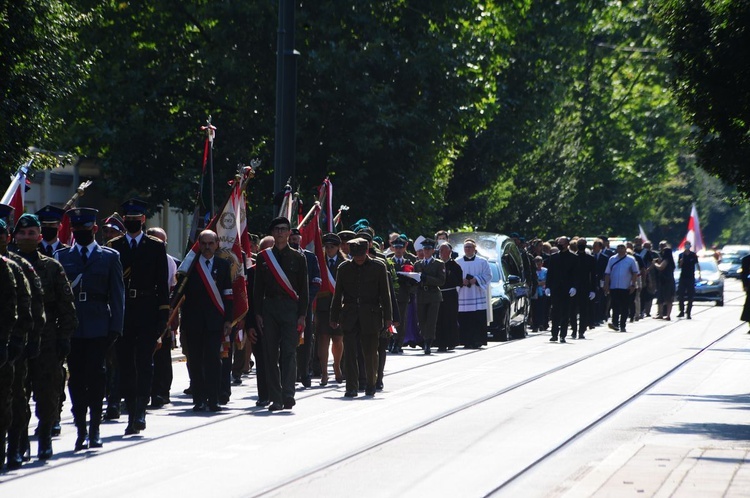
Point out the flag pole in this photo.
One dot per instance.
(211, 134)
(309, 214)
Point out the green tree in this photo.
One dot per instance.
(710, 47)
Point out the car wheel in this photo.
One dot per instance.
(720, 303)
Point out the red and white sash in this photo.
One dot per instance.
(278, 273)
(208, 282)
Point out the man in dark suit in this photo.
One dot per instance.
(280, 294)
(429, 295)
(362, 307)
(95, 274)
(325, 336)
(206, 319)
(561, 282)
(304, 350)
(586, 290)
(145, 272)
(600, 301)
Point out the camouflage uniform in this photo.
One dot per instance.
(16, 342)
(33, 325)
(46, 376)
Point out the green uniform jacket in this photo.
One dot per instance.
(24, 328)
(405, 286)
(8, 314)
(60, 311)
(433, 276)
(362, 294)
(265, 286)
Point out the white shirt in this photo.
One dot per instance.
(621, 272)
(474, 298)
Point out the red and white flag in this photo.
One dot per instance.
(15, 195)
(310, 239)
(694, 235)
(642, 233)
(326, 200)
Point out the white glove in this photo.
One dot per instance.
(547, 292)
(419, 277)
(592, 295)
(572, 291)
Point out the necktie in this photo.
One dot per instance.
(49, 251)
(84, 254)
(399, 261)
(208, 264)
(331, 264)
(133, 245)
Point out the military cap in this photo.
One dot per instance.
(347, 235)
(295, 231)
(332, 238)
(5, 211)
(3, 227)
(399, 242)
(428, 244)
(28, 220)
(515, 235)
(279, 220)
(365, 235)
(359, 225)
(134, 207)
(115, 221)
(50, 214)
(82, 216)
(358, 246)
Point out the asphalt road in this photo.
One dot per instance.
(658, 411)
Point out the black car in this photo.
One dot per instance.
(510, 291)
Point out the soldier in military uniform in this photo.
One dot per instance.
(280, 294)
(11, 339)
(406, 289)
(112, 227)
(429, 295)
(95, 273)
(145, 273)
(18, 438)
(361, 306)
(46, 376)
(304, 350)
(50, 217)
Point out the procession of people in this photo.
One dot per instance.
(112, 312)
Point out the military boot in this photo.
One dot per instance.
(140, 412)
(132, 428)
(45, 442)
(14, 450)
(82, 440)
(95, 439)
(25, 446)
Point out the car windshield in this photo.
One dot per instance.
(732, 259)
(708, 265)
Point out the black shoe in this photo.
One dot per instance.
(275, 407)
(612, 326)
(262, 402)
(307, 382)
(156, 402)
(379, 386)
(562, 340)
(681, 314)
(45, 443)
(688, 316)
(350, 394)
(236, 380)
(223, 399)
(132, 430)
(112, 413)
(95, 440)
(622, 329)
(82, 440)
(553, 339)
(581, 336)
(370, 391)
(200, 407)
(215, 408)
(56, 429)
(324, 381)
(188, 391)
(289, 403)
(574, 335)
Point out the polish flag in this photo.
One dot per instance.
(311, 239)
(694, 235)
(642, 233)
(15, 195)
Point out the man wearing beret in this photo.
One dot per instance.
(46, 376)
(361, 306)
(95, 275)
(280, 295)
(146, 275)
(30, 329)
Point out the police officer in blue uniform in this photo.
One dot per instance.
(95, 274)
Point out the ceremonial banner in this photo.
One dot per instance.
(694, 235)
(642, 233)
(16, 193)
(326, 201)
(312, 241)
